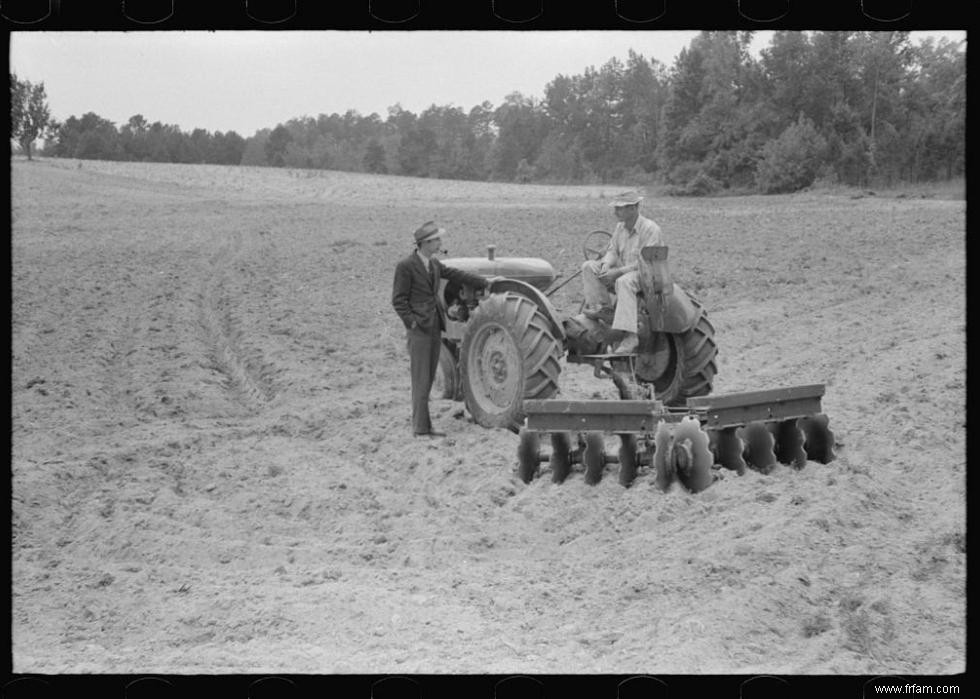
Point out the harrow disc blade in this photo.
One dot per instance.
(729, 448)
(627, 459)
(561, 456)
(789, 444)
(594, 457)
(682, 454)
(692, 455)
(758, 447)
(527, 455)
(664, 468)
(819, 440)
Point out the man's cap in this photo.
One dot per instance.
(626, 199)
(428, 231)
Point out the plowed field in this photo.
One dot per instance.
(213, 469)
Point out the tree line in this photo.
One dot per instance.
(851, 107)
(95, 138)
(92, 137)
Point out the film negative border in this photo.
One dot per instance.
(52, 15)
(471, 686)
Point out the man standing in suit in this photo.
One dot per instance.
(415, 298)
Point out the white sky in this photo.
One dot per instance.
(245, 81)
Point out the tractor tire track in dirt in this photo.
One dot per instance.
(117, 367)
(249, 379)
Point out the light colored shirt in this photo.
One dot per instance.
(624, 247)
(425, 260)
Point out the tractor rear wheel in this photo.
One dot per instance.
(692, 368)
(508, 355)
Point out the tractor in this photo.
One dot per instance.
(502, 351)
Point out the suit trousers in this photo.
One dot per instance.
(423, 351)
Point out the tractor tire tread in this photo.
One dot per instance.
(540, 353)
(700, 351)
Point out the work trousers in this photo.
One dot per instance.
(597, 294)
(423, 350)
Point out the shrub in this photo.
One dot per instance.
(792, 161)
(683, 172)
(700, 185)
(525, 171)
(703, 185)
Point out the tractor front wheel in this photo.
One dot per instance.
(508, 355)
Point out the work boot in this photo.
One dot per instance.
(628, 345)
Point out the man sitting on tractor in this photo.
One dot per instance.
(618, 269)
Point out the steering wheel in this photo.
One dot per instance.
(595, 245)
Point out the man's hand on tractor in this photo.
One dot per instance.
(607, 275)
(490, 281)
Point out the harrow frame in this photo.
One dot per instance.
(754, 428)
(642, 416)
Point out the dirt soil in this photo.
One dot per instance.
(213, 469)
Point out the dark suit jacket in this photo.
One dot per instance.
(414, 293)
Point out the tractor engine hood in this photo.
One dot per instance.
(530, 270)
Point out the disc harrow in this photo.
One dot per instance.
(684, 445)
